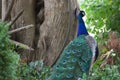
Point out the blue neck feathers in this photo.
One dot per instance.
(81, 26)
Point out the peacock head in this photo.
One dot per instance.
(82, 13)
(79, 12)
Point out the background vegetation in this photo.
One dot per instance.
(102, 17)
(8, 57)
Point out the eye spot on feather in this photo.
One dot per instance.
(57, 67)
(69, 76)
(82, 66)
(79, 44)
(74, 60)
(64, 62)
(79, 50)
(71, 67)
(57, 75)
(80, 63)
(68, 56)
(74, 51)
(68, 52)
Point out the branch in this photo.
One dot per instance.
(16, 17)
(8, 10)
(21, 45)
(105, 57)
(21, 28)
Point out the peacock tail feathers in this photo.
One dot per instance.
(74, 61)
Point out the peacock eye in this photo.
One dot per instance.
(57, 75)
(64, 62)
(69, 76)
(79, 44)
(71, 67)
(57, 67)
(68, 52)
(74, 60)
(74, 51)
(79, 51)
(80, 63)
(68, 56)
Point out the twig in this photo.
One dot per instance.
(8, 10)
(21, 45)
(16, 17)
(106, 56)
(21, 28)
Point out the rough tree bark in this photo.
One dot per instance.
(0, 8)
(49, 39)
(54, 29)
(31, 9)
(4, 8)
(27, 18)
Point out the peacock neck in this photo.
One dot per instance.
(81, 27)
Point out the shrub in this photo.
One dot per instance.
(33, 71)
(8, 57)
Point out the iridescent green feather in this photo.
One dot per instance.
(74, 61)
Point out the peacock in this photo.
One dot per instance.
(78, 56)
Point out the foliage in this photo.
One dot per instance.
(8, 57)
(108, 72)
(10, 68)
(33, 71)
(102, 15)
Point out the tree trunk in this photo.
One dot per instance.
(47, 41)
(4, 8)
(33, 14)
(0, 8)
(27, 18)
(54, 29)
